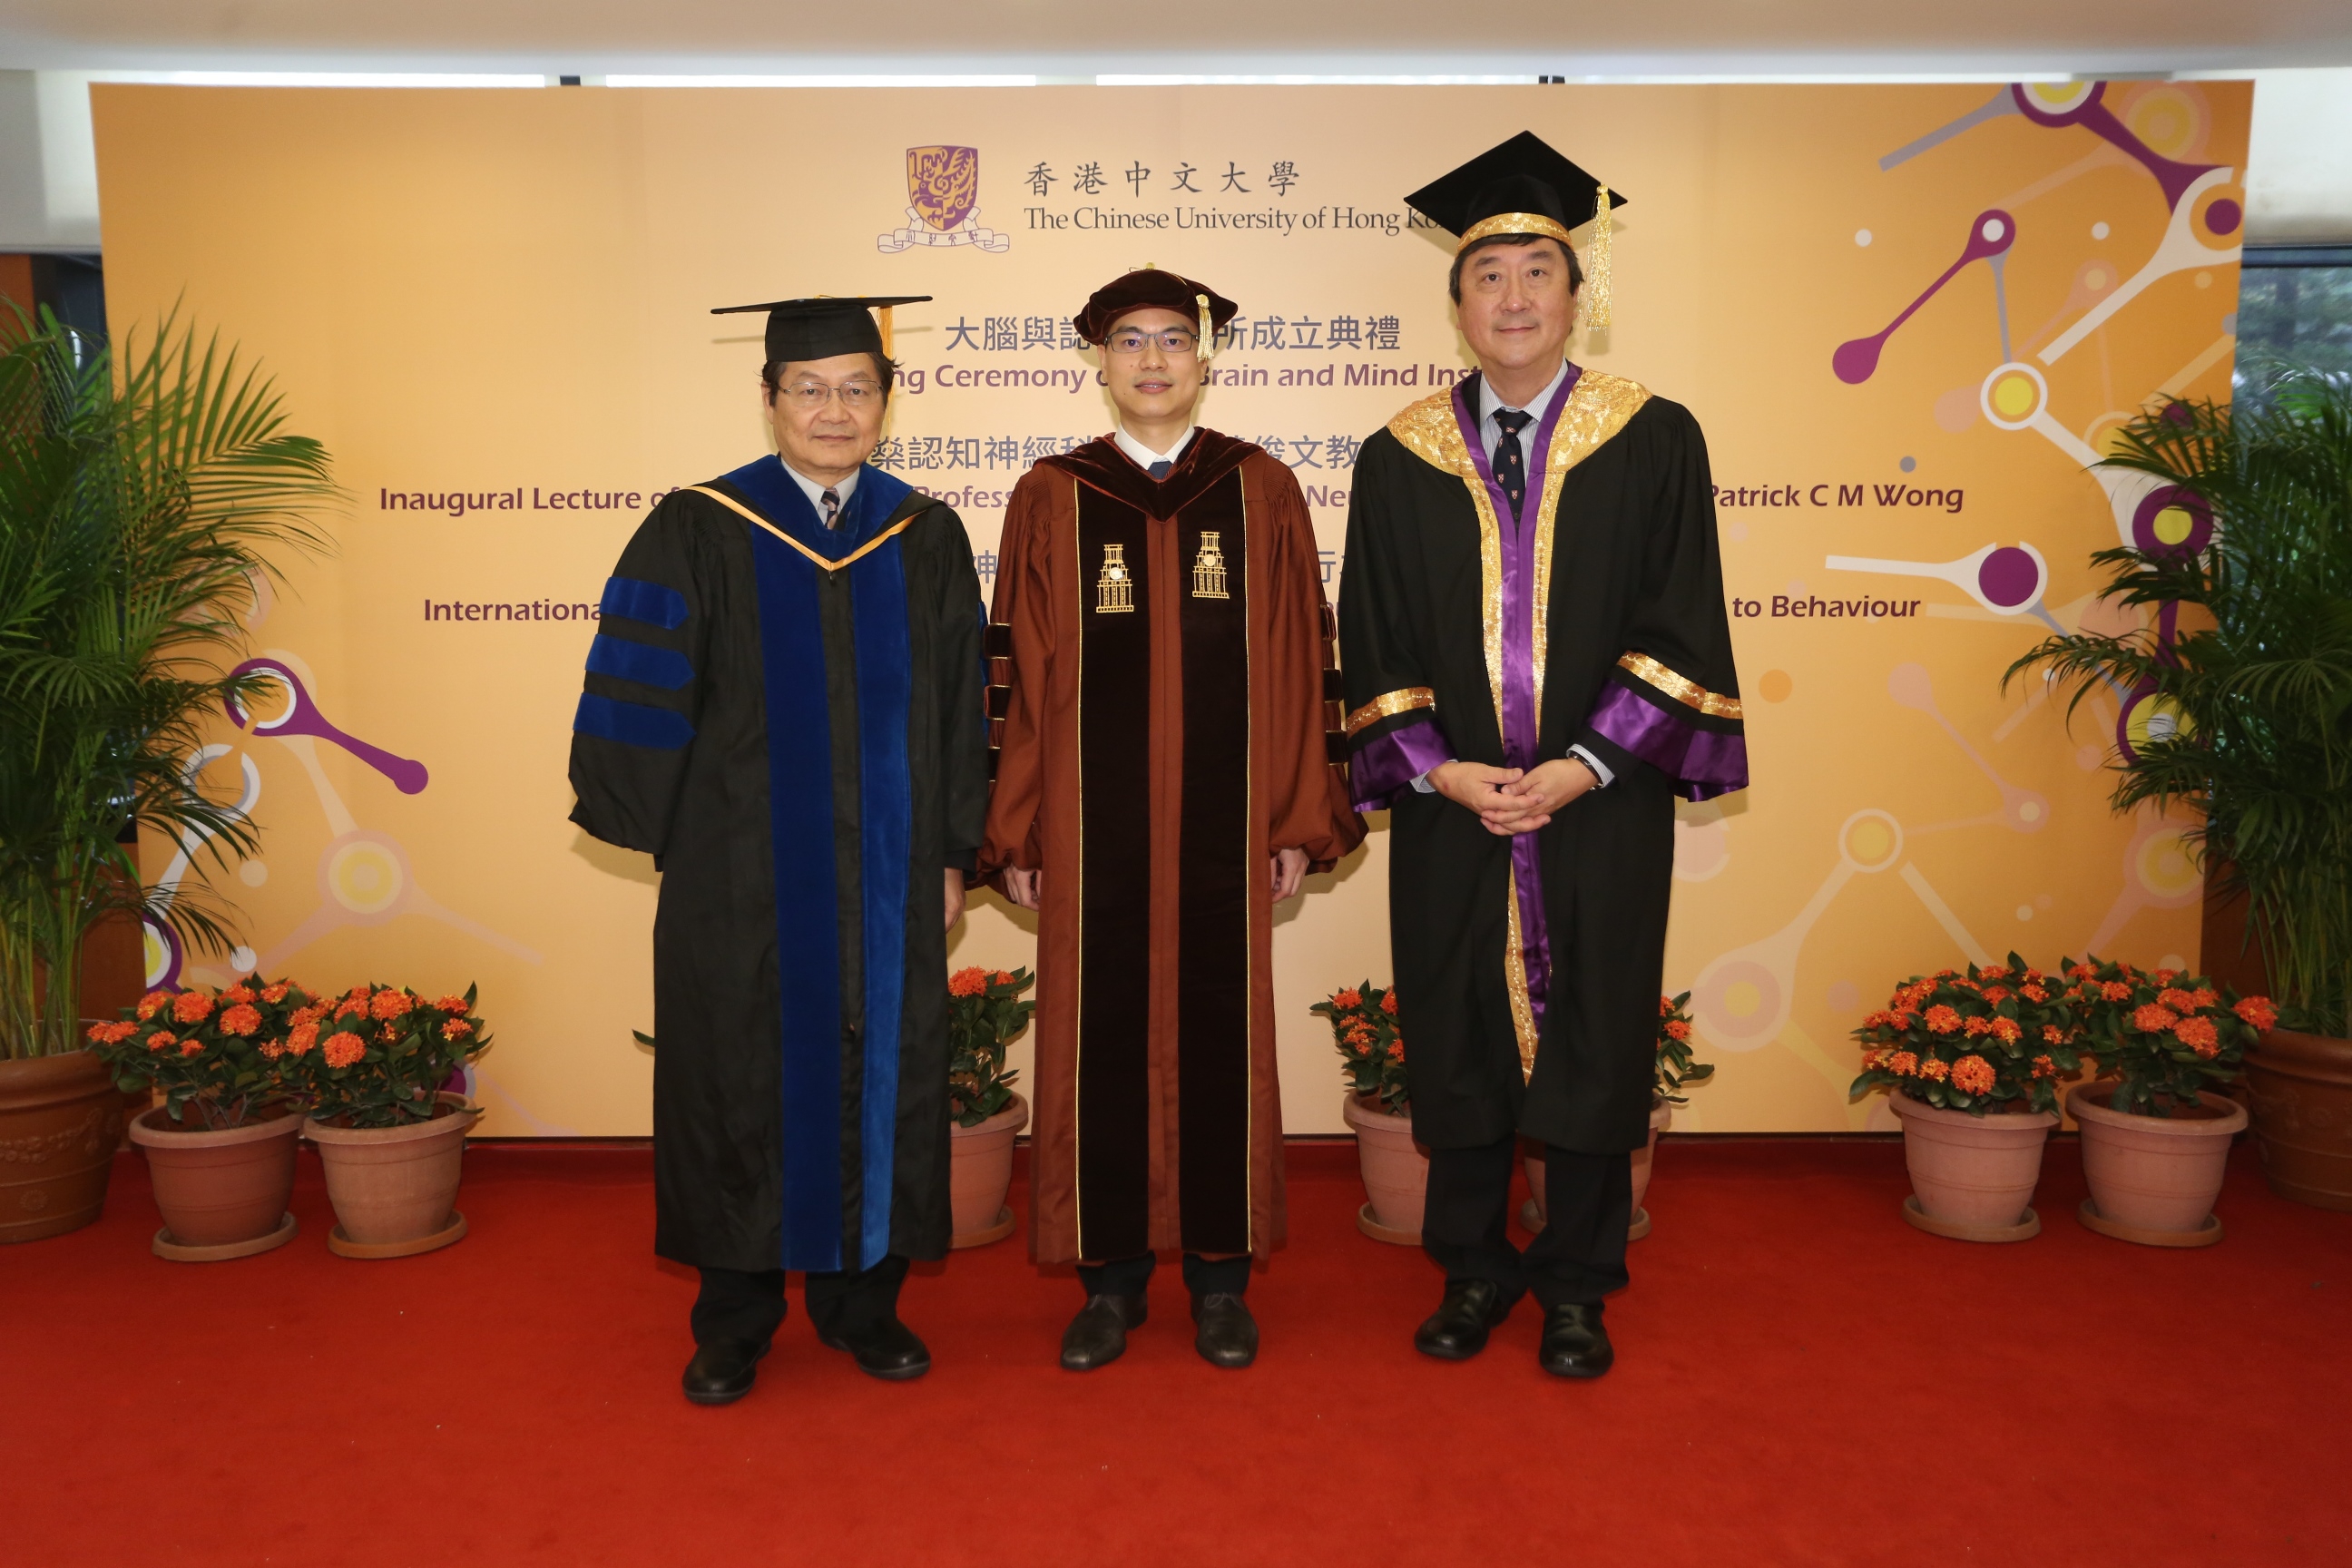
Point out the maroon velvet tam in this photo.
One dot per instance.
(1151, 288)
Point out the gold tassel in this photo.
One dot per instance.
(884, 313)
(1596, 271)
(1208, 334)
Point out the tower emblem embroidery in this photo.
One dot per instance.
(1209, 568)
(1114, 589)
(943, 203)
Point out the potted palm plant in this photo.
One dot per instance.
(985, 1015)
(1675, 1069)
(370, 1066)
(220, 1149)
(2247, 722)
(1379, 1106)
(139, 496)
(2156, 1136)
(1971, 1063)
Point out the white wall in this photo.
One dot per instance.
(2299, 191)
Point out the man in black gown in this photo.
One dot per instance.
(1537, 660)
(783, 707)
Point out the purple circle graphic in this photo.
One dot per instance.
(2150, 524)
(2224, 215)
(2008, 577)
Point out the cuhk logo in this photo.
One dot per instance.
(943, 201)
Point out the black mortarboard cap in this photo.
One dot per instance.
(826, 326)
(1524, 175)
(1525, 186)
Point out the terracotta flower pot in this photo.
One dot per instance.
(395, 1188)
(1536, 1213)
(2153, 1178)
(1396, 1171)
(220, 1189)
(979, 1173)
(60, 1121)
(1972, 1177)
(2300, 1087)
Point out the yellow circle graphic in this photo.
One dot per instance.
(2165, 866)
(2155, 719)
(364, 877)
(2173, 524)
(2168, 120)
(2013, 396)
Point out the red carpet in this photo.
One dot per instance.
(1802, 1379)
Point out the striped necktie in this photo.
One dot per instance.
(833, 507)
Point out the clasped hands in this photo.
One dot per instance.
(1511, 801)
(1288, 868)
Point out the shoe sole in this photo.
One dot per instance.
(1440, 1354)
(1578, 1372)
(894, 1374)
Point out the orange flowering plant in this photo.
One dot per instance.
(1371, 1047)
(1675, 1067)
(222, 1052)
(1975, 1042)
(376, 1056)
(2163, 1033)
(985, 1013)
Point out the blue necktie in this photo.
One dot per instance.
(1510, 470)
(1159, 470)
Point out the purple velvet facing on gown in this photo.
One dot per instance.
(1702, 762)
(1387, 763)
(1521, 723)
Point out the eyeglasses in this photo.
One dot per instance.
(811, 395)
(1175, 340)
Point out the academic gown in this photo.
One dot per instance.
(1160, 657)
(1527, 968)
(790, 719)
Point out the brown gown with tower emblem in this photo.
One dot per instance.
(1167, 719)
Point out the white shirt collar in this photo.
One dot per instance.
(815, 492)
(1144, 455)
(1489, 401)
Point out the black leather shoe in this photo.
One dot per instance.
(1574, 1343)
(1228, 1334)
(721, 1371)
(888, 1350)
(1098, 1335)
(1457, 1330)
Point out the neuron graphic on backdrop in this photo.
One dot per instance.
(1742, 999)
(363, 874)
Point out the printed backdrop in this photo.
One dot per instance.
(1907, 317)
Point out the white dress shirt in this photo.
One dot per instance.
(1144, 455)
(1490, 402)
(816, 491)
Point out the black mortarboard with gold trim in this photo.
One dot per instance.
(826, 325)
(1525, 186)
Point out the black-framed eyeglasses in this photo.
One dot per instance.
(1130, 340)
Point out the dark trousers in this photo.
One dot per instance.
(1579, 1256)
(1202, 1276)
(748, 1307)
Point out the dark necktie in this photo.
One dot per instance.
(1510, 468)
(1159, 470)
(832, 499)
